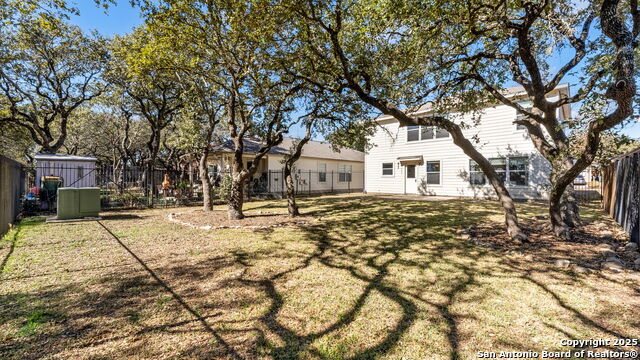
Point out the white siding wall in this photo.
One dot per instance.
(498, 138)
(308, 177)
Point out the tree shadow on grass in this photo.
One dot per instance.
(403, 254)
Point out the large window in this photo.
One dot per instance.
(512, 170)
(344, 173)
(433, 172)
(322, 172)
(500, 166)
(387, 169)
(415, 133)
(518, 171)
(476, 176)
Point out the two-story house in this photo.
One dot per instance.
(424, 160)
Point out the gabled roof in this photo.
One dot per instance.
(314, 149)
(60, 157)
(508, 92)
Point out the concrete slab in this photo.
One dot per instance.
(53, 219)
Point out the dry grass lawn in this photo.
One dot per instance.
(375, 278)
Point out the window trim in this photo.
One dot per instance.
(427, 172)
(393, 172)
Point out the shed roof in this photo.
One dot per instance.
(314, 149)
(59, 157)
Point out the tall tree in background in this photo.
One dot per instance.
(361, 47)
(47, 73)
(139, 68)
(258, 96)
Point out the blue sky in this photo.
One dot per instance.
(122, 18)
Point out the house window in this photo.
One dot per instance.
(441, 133)
(433, 172)
(426, 132)
(476, 176)
(521, 116)
(413, 133)
(344, 173)
(322, 172)
(80, 172)
(500, 166)
(387, 169)
(249, 164)
(213, 171)
(518, 171)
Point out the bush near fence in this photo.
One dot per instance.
(12, 180)
(621, 192)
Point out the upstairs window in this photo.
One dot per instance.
(413, 133)
(387, 169)
(441, 133)
(416, 133)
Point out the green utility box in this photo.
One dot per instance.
(78, 203)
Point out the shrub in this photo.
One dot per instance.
(223, 191)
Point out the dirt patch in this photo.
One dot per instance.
(592, 243)
(217, 219)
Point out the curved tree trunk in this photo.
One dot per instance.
(288, 166)
(621, 91)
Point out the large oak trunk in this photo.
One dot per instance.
(207, 203)
(236, 198)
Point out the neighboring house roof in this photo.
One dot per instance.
(314, 149)
(58, 157)
(509, 92)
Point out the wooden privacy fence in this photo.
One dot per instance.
(621, 192)
(11, 189)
